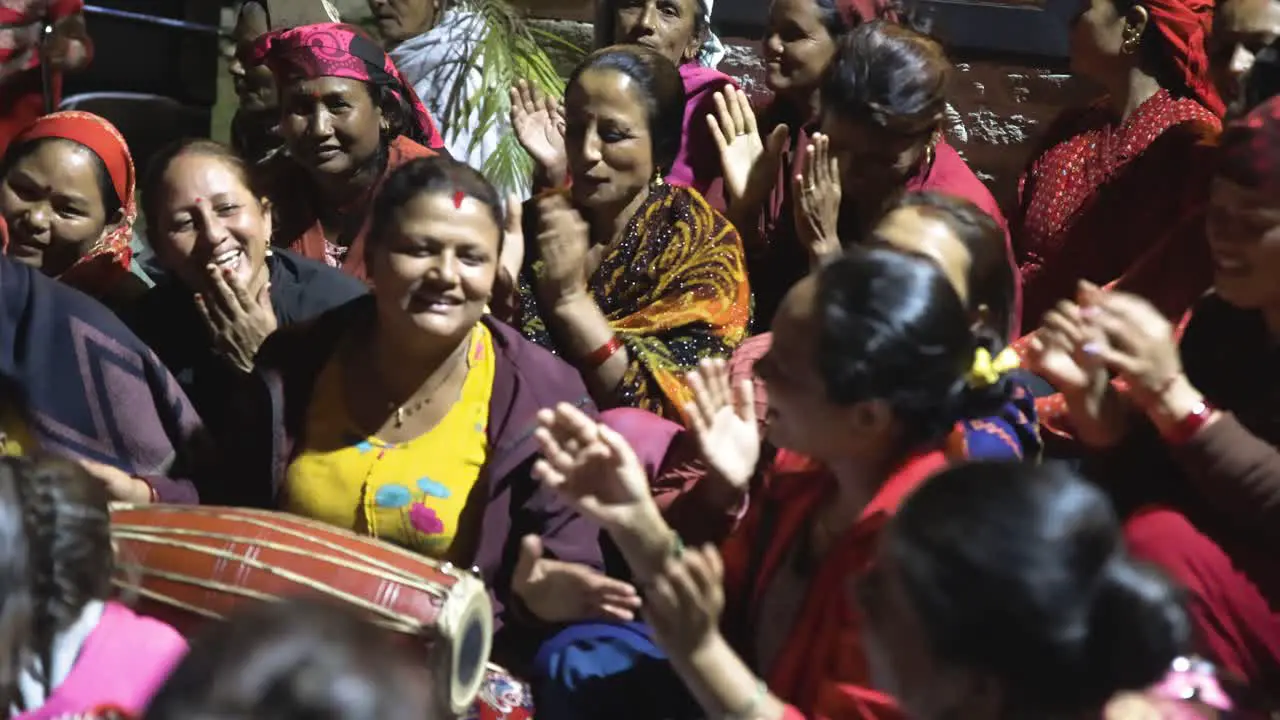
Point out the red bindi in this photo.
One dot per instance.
(458, 197)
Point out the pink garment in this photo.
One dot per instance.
(122, 663)
(698, 163)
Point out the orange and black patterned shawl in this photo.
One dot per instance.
(675, 291)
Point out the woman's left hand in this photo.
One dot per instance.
(238, 322)
(563, 240)
(1140, 346)
(816, 197)
(122, 486)
(684, 602)
(561, 592)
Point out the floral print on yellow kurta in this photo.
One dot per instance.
(410, 493)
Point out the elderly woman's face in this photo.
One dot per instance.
(435, 266)
(331, 125)
(52, 201)
(1241, 29)
(207, 220)
(667, 26)
(607, 137)
(399, 20)
(797, 47)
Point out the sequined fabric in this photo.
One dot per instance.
(674, 290)
(1103, 196)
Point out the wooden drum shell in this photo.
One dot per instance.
(189, 564)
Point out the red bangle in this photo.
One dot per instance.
(601, 355)
(1193, 422)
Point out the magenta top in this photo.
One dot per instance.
(120, 666)
(698, 163)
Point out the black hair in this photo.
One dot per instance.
(68, 559)
(149, 190)
(111, 202)
(837, 23)
(292, 660)
(428, 176)
(662, 92)
(16, 601)
(1020, 570)
(604, 23)
(991, 279)
(889, 75)
(893, 328)
(396, 111)
(1262, 82)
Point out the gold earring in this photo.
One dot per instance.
(659, 178)
(1132, 40)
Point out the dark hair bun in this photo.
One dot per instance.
(1137, 627)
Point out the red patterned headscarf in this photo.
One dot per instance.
(1249, 149)
(1184, 25)
(338, 50)
(94, 272)
(857, 12)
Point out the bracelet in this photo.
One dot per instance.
(752, 710)
(1193, 422)
(601, 355)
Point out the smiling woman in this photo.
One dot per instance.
(67, 199)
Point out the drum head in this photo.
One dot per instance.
(465, 634)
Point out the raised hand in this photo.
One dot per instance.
(816, 192)
(238, 320)
(723, 418)
(539, 126)
(594, 468)
(685, 600)
(561, 592)
(749, 163)
(563, 241)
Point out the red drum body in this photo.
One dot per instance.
(187, 565)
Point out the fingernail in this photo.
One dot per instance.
(1089, 312)
(1091, 348)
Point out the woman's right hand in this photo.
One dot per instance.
(595, 469)
(723, 418)
(749, 163)
(538, 122)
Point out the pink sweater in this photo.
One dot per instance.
(120, 666)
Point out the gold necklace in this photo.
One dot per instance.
(427, 394)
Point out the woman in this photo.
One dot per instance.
(69, 650)
(348, 120)
(631, 279)
(75, 382)
(67, 198)
(291, 660)
(25, 64)
(1241, 30)
(406, 415)
(253, 128)
(882, 107)
(1198, 419)
(960, 626)
(680, 31)
(209, 224)
(867, 377)
(1118, 193)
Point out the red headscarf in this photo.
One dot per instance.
(1249, 149)
(1184, 25)
(343, 51)
(100, 267)
(857, 12)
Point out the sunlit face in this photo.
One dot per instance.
(872, 158)
(900, 653)
(399, 20)
(607, 140)
(912, 231)
(1097, 39)
(1241, 29)
(435, 268)
(1244, 239)
(53, 204)
(797, 47)
(254, 85)
(207, 220)
(666, 26)
(331, 125)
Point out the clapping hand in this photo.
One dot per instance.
(539, 125)
(238, 320)
(750, 164)
(563, 241)
(723, 418)
(683, 603)
(816, 192)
